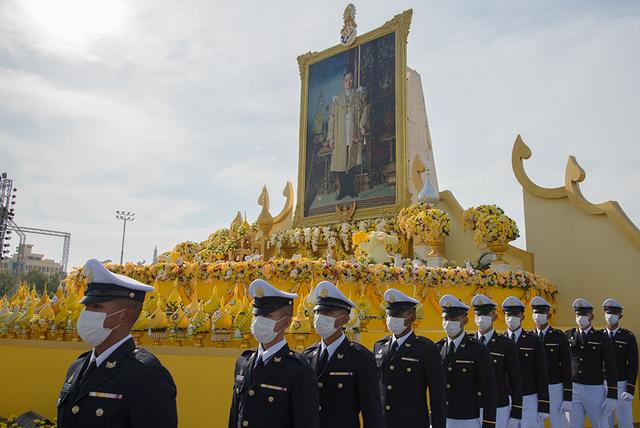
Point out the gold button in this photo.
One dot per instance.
(270, 399)
(252, 392)
(408, 369)
(319, 407)
(319, 384)
(75, 409)
(389, 387)
(448, 386)
(495, 361)
(99, 412)
(245, 423)
(581, 359)
(551, 349)
(447, 403)
(526, 354)
(339, 386)
(450, 369)
(391, 367)
(579, 371)
(464, 370)
(479, 393)
(387, 407)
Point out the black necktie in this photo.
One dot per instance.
(611, 334)
(259, 366)
(513, 337)
(324, 359)
(393, 349)
(451, 351)
(482, 339)
(541, 334)
(89, 370)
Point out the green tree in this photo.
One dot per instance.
(8, 282)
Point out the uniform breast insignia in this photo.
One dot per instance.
(340, 356)
(273, 387)
(340, 373)
(415, 360)
(240, 378)
(111, 364)
(105, 395)
(277, 359)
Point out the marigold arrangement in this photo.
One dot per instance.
(490, 224)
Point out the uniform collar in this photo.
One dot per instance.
(402, 339)
(456, 341)
(102, 357)
(614, 331)
(585, 331)
(487, 336)
(517, 333)
(544, 332)
(267, 354)
(331, 348)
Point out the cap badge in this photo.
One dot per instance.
(392, 299)
(111, 364)
(447, 303)
(260, 292)
(324, 292)
(88, 273)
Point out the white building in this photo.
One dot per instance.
(32, 261)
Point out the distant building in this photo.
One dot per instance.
(32, 261)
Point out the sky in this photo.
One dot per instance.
(180, 111)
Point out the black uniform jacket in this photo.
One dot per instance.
(558, 361)
(592, 359)
(506, 367)
(129, 389)
(470, 382)
(404, 379)
(625, 349)
(533, 367)
(283, 394)
(348, 387)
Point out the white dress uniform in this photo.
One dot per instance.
(626, 353)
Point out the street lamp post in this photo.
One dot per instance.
(125, 216)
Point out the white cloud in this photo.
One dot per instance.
(182, 111)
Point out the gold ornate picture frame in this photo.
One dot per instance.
(399, 26)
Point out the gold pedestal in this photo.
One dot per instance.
(499, 248)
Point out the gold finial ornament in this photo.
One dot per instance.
(349, 30)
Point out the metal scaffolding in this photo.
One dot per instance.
(37, 231)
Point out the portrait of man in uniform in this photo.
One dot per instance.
(350, 138)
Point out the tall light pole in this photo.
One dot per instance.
(125, 216)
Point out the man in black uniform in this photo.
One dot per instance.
(506, 365)
(468, 371)
(274, 386)
(533, 365)
(558, 355)
(347, 378)
(408, 366)
(115, 384)
(592, 362)
(625, 349)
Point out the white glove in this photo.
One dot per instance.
(513, 423)
(608, 406)
(626, 396)
(565, 407)
(542, 417)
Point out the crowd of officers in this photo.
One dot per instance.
(486, 379)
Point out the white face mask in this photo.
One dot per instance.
(451, 327)
(324, 325)
(262, 329)
(483, 322)
(396, 325)
(91, 326)
(583, 321)
(540, 319)
(513, 322)
(611, 319)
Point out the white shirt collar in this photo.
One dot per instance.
(107, 352)
(585, 331)
(402, 339)
(518, 332)
(614, 331)
(487, 336)
(456, 341)
(331, 348)
(544, 332)
(267, 354)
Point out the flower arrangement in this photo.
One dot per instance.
(430, 224)
(490, 224)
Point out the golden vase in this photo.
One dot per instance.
(499, 248)
(436, 246)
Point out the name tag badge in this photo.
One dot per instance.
(414, 360)
(379, 355)
(274, 387)
(66, 387)
(497, 354)
(593, 343)
(340, 373)
(464, 361)
(526, 349)
(623, 343)
(240, 378)
(552, 344)
(105, 395)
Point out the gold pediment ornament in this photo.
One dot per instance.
(574, 175)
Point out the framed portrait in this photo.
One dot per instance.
(352, 154)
